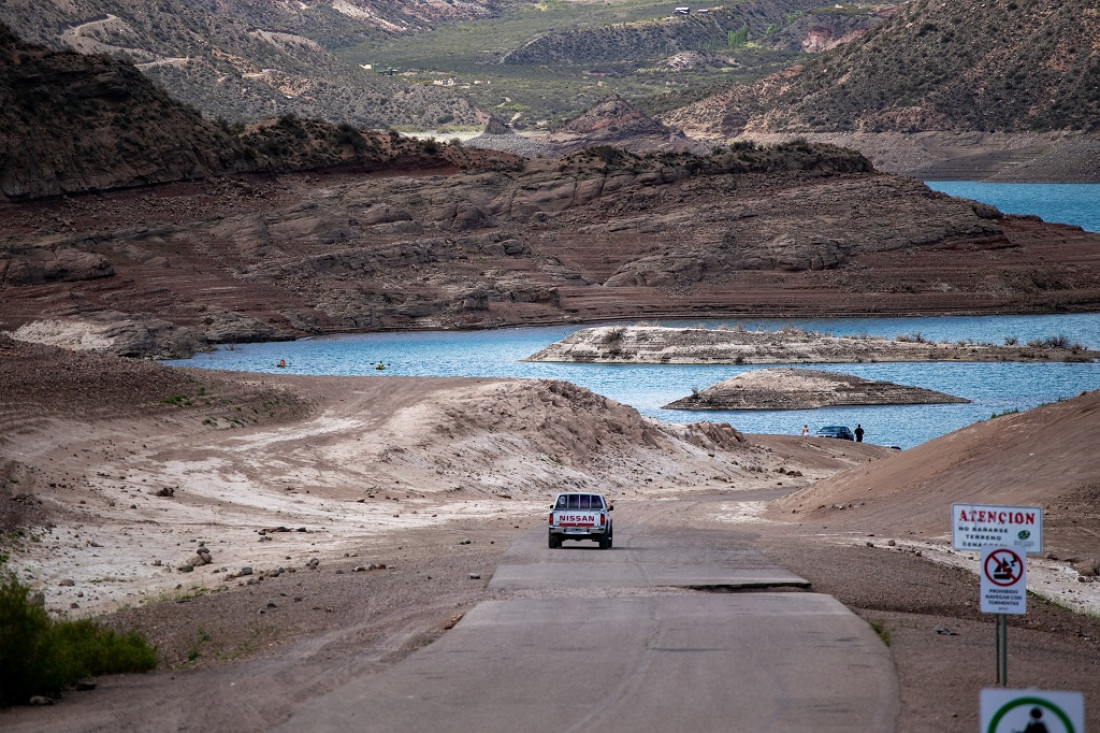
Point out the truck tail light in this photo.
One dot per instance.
(603, 519)
(551, 517)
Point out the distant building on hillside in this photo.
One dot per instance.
(684, 10)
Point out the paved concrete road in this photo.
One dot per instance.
(642, 557)
(614, 640)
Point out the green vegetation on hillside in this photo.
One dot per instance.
(549, 61)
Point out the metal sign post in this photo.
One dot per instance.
(1005, 536)
(1001, 632)
(1004, 591)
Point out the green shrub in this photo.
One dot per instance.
(39, 656)
(738, 38)
(882, 631)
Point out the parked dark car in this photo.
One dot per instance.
(835, 431)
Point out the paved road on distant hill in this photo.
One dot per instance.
(685, 631)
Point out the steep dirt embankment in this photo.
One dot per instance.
(1047, 457)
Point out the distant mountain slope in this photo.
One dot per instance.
(651, 39)
(72, 123)
(994, 65)
(245, 60)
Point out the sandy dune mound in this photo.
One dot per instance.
(803, 389)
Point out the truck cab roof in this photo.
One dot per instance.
(579, 500)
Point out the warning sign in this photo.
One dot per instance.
(974, 526)
(1014, 711)
(1004, 581)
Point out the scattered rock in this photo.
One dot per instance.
(1088, 568)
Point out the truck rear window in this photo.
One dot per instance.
(579, 501)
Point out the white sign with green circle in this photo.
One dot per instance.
(1032, 711)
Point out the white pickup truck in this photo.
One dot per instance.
(580, 516)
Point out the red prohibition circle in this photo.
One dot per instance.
(1015, 570)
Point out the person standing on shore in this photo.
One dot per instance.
(859, 433)
(805, 429)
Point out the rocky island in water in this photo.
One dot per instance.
(649, 344)
(803, 389)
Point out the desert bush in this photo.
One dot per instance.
(292, 124)
(608, 154)
(40, 656)
(614, 335)
(1060, 341)
(346, 134)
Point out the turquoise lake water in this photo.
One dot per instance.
(992, 388)
(1065, 203)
